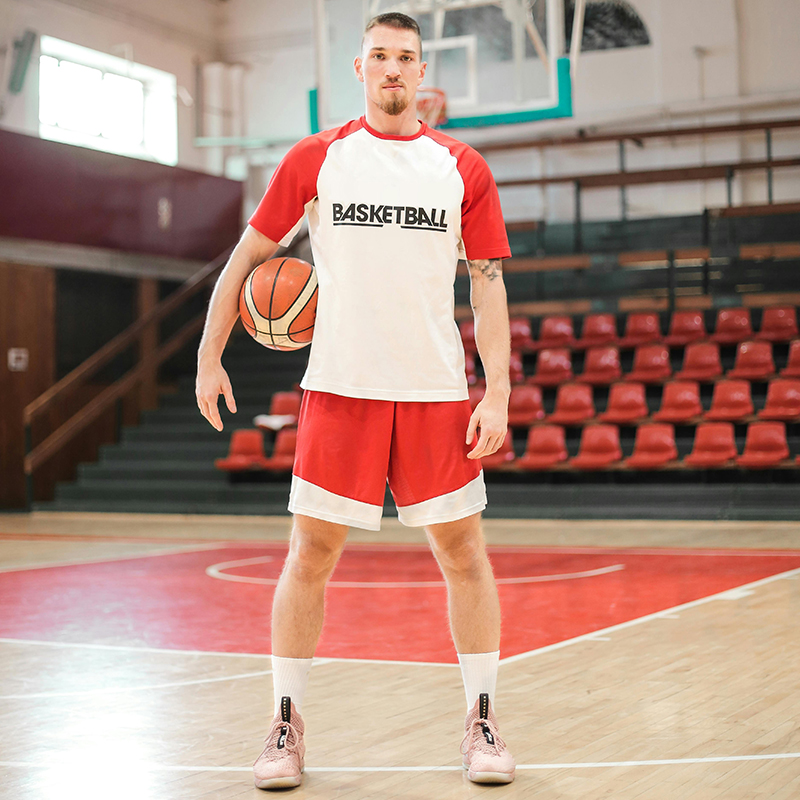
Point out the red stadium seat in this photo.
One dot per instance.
(282, 459)
(783, 400)
(792, 368)
(467, 330)
(714, 445)
(546, 447)
(574, 404)
(753, 361)
(701, 362)
(654, 446)
(286, 403)
(245, 452)
(733, 326)
(553, 366)
(521, 334)
(598, 329)
(650, 364)
(601, 366)
(778, 324)
(626, 404)
(765, 445)
(505, 455)
(524, 406)
(469, 365)
(556, 331)
(640, 329)
(599, 448)
(515, 373)
(680, 402)
(732, 401)
(685, 327)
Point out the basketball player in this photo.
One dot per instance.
(391, 205)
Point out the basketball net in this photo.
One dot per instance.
(431, 106)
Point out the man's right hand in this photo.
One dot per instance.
(212, 381)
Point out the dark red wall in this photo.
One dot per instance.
(61, 193)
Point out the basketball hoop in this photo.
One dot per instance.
(431, 106)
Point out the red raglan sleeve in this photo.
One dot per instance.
(483, 230)
(292, 187)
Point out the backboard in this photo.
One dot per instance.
(499, 62)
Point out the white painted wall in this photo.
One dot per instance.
(169, 36)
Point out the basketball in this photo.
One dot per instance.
(278, 303)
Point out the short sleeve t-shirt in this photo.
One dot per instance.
(389, 217)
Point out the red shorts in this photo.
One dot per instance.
(348, 447)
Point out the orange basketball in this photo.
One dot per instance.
(278, 303)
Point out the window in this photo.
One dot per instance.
(96, 100)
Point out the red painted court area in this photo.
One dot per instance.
(384, 602)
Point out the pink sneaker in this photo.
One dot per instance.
(281, 764)
(485, 753)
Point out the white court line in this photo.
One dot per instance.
(216, 571)
(191, 548)
(729, 594)
(120, 689)
(527, 767)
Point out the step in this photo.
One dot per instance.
(190, 413)
(179, 491)
(184, 470)
(200, 431)
(165, 451)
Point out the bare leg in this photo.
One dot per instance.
(299, 603)
(472, 598)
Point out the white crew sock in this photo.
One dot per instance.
(289, 679)
(479, 671)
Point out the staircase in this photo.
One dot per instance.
(166, 464)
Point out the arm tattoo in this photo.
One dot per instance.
(489, 268)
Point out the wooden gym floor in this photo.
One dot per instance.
(640, 660)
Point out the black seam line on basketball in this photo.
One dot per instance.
(290, 332)
(360, 224)
(272, 293)
(421, 228)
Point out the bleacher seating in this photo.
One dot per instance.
(546, 447)
(521, 334)
(574, 404)
(525, 406)
(685, 327)
(467, 330)
(601, 365)
(282, 458)
(765, 445)
(555, 331)
(626, 404)
(245, 452)
(286, 403)
(680, 402)
(599, 448)
(783, 400)
(733, 326)
(641, 329)
(598, 329)
(651, 364)
(553, 366)
(701, 362)
(653, 447)
(792, 368)
(778, 324)
(732, 401)
(753, 361)
(714, 445)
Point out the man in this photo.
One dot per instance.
(391, 205)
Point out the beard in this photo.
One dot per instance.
(394, 105)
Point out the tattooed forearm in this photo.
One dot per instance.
(489, 268)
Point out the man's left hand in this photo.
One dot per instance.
(491, 417)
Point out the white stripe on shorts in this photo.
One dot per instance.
(314, 501)
(469, 499)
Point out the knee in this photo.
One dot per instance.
(461, 557)
(311, 558)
